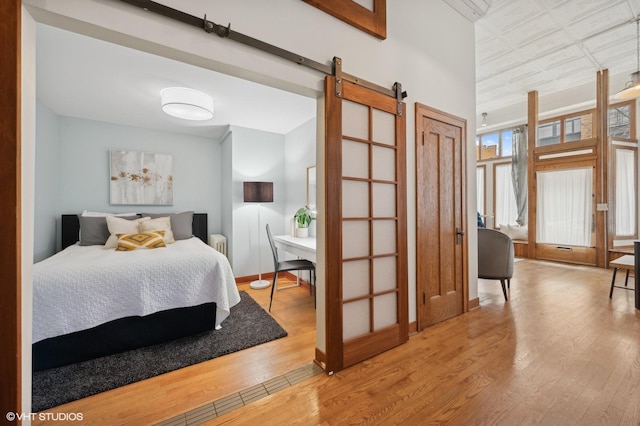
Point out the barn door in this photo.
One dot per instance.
(366, 251)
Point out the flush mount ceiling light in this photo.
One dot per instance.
(632, 88)
(484, 120)
(187, 104)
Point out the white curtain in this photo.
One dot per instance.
(480, 189)
(519, 172)
(565, 207)
(506, 207)
(625, 193)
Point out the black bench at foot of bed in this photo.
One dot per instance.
(122, 335)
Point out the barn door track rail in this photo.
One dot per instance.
(335, 69)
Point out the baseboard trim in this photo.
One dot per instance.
(321, 359)
(269, 276)
(474, 303)
(413, 328)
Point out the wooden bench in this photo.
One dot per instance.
(626, 262)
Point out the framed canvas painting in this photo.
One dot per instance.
(140, 178)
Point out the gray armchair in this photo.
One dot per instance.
(495, 257)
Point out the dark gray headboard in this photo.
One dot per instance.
(71, 228)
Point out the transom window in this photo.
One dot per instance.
(620, 121)
(570, 128)
(498, 144)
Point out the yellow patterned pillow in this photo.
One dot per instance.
(145, 240)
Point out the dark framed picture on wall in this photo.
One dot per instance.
(369, 16)
(140, 178)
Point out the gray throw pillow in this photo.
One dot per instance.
(181, 223)
(94, 230)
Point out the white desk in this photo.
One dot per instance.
(305, 248)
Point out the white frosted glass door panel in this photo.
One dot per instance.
(384, 163)
(385, 310)
(355, 120)
(384, 274)
(384, 237)
(355, 199)
(355, 238)
(384, 127)
(355, 279)
(355, 319)
(356, 156)
(384, 200)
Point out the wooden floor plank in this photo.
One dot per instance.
(559, 352)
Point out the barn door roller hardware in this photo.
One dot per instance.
(227, 32)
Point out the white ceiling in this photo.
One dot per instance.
(550, 46)
(82, 77)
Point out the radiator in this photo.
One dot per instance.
(218, 242)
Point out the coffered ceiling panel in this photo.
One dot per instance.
(575, 10)
(506, 15)
(611, 38)
(530, 30)
(550, 46)
(615, 51)
(548, 43)
(601, 20)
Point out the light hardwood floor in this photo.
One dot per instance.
(558, 353)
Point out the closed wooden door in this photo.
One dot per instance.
(366, 244)
(441, 252)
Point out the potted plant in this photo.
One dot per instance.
(303, 220)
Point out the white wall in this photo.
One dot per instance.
(75, 176)
(299, 154)
(47, 212)
(257, 156)
(226, 192)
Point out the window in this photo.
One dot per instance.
(494, 145)
(489, 144)
(507, 143)
(572, 129)
(625, 183)
(549, 134)
(506, 209)
(480, 173)
(565, 207)
(575, 127)
(620, 121)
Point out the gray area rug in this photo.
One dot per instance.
(248, 325)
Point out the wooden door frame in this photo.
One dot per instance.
(10, 256)
(435, 114)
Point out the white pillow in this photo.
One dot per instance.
(118, 225)
(159, 224)
(505, 229)
(101, 214)
(519, 232)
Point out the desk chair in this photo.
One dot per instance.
(626, 262)
(289, 265)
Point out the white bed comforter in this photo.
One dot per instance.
(82, 287)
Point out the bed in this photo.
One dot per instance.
(90, 301)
